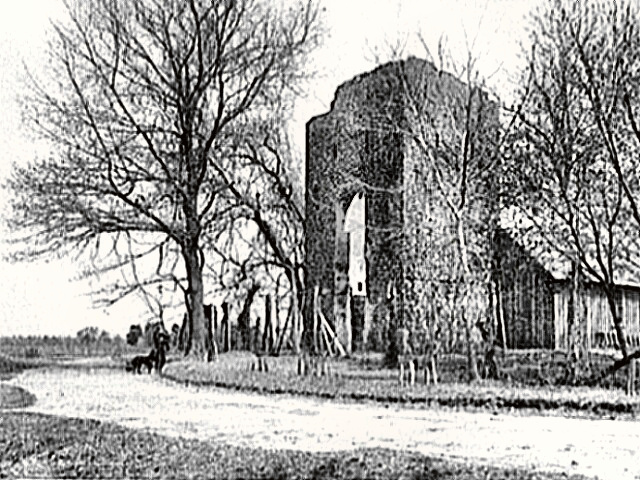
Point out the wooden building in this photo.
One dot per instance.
(533, 293)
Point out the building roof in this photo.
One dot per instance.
(536, 235)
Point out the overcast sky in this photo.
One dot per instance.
(39, 299)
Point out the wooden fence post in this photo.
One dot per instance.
(267, 337)
(216, 332)
(308, 370)
(328, 332)
(631, 378)
(434, 370)
(427, 377)
(323, 371)
(316, 306)
(283, 332)
(226, 327)
(255, 338)
(412, 373)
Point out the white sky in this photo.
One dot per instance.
(39, 299)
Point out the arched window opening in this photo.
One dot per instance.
(355, 226)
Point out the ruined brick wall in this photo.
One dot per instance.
(363, 145)
(432, 260)
(349, 152)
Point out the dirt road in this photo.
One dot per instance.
(604, 449)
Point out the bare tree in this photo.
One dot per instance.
(152, 104)
(577, 157)
(264, 240)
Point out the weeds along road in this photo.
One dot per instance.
(606, 449)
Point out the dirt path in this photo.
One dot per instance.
(600, 448)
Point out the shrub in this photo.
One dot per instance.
(32, 352)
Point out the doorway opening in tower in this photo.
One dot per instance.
(355, 227)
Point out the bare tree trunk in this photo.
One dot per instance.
(267, 336)
(212, 345)
(297, 325)
(199, 338)
(472, 360)
(184, 336)
(244, 319)
(618, 324)
(392, 348)
(216, 328)
(577, 356)
(316, 306)
(490, 370)
(226, 342)
(283, 332)
(503, 329)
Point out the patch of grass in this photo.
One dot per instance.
(73, 448)
(36, 346)
(350, 382)
(10, 367)
(15, 397)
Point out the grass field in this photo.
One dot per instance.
(61, 348)
(15, 397)
(364, 380)
(47, 446)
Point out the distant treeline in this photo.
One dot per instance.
(88, 341)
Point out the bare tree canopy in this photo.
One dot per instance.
(572, 163)
(153, 109)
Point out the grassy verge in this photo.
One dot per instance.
(15, 397)
(10, 367)
(12, 396)
(232, 371)
(39, 445)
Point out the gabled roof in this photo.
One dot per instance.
(535, 234)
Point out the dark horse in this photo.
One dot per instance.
(157, 358)
(141, 360)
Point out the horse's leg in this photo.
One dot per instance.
(161, 360)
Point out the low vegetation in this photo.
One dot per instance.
(10, 367)
(86, 343)
(12, 396)
(39, 445)
(365, 380)
(15, 397)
